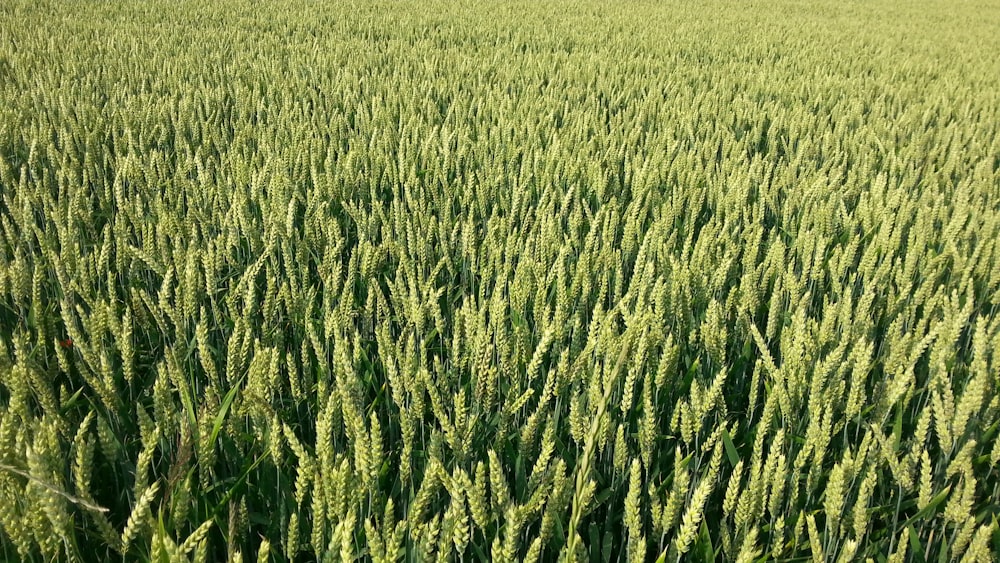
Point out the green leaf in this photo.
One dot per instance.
(897, 429)
(930, 508)
(988, 433)
(731, 453)
(231, 492)
(704, 549)
(943, 553)
(916, 547)
(996, 535)
(516, 319)
(158, 538)
(220, 417)
(68, 403)
(520, 479)
(595, 542)
(479, 551)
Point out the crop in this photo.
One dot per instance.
(509, 281)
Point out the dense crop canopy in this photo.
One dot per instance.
(510, 281)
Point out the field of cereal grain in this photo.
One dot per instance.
(384, 280)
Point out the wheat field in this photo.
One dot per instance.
(518, 281)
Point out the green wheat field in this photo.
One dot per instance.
(462, 281)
